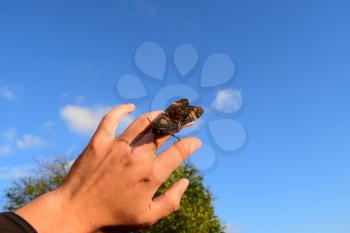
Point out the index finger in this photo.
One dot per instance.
(139, 127)
(152, 142)
(110, 122)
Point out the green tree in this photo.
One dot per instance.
(196, 213)
(47, 176)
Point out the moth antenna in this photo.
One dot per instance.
(177, 138)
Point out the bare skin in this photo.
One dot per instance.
(111, 186)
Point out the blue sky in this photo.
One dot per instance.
(59, 62)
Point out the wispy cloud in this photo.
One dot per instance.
(10, 92)
(7, 138)
(228, 100)
(10, 173)
(137, 7)
(12, 141)
(29, 141)
(80, 99)
(48, 125)
(7, 93)
(84, 120)
(230, 228)
(144, 7)
(71, 150)
(10, 134)
(5, 149)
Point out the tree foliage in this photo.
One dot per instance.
(47, 176)
(196, 213)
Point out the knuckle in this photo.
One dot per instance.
(157, 174)
(180, 149)
(156, 179)
(94, 144)
(143, 159)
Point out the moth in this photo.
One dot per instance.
(177, 115)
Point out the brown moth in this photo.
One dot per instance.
(177, 115)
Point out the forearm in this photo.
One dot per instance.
(51, 213)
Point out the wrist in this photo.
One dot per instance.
(51, 213)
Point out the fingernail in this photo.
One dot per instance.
(183, 183)
(186, 181)
(131, 105)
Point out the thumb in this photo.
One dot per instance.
(169, 202)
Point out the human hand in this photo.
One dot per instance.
(112, 183)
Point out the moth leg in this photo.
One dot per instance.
(177, 138)
(154, 136)
(149, 121)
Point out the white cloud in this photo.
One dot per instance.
(5, 149)
(9, 173)
(29, 141)
(22, 142)
(228, 100)
(83, 120)
(7, 93)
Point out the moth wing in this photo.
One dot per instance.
(194, 113)
(165, 125)
(180, 102)
(176, 110)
